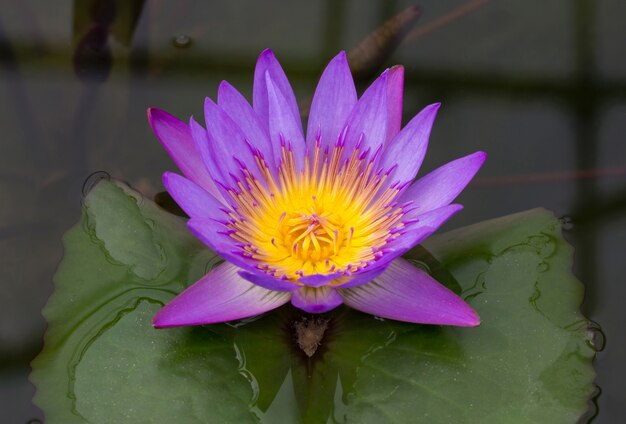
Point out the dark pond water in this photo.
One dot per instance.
(540, 86)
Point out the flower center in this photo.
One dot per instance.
(334, 216)
(313, 237)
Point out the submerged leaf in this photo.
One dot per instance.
(529, 361)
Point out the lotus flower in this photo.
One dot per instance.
(318, 220)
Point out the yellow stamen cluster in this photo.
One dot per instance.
(333, 216)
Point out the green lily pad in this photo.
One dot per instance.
(529, 361)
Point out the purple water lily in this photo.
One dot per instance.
(319, 220)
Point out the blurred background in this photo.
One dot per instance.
(540, 86)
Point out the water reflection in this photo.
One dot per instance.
(95, 21)
(290, 379)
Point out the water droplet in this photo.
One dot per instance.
(567, 223)
(595, 336)
(181, 41)
(94, 179)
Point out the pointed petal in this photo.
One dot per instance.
(203, 143)
(316, 300)
(406, 152)
(406, 293)
(215, 235)
(193, 199)
(368, 119)
(269, 282)
(267, 63)
(201, 139)
(395, 94)
(228, 148)
(175, 137)
(417, 228)
(444, 184)
(333, 101)
(239, 110)
(284, 126)
(221, 295)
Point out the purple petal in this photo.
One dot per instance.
(368, 119)
(424, 225)
(417, 230)
(175, 137)
(214, 234)
(221, 295)
(317, 280)
(284, 126)
(444, 184)
(406, 293)
(406, 152)
(239, 110)
(360, 278)
(201, 139)
(267, 63)
(316, 300)
(395, 93)
(193, 199)
(333, 101)
(267, 281)
(228, 147)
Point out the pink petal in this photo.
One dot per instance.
(406, 293)
(221, 295)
